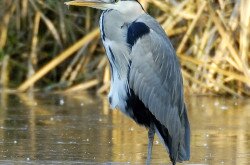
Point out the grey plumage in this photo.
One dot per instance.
(146, 79)
(151, 69)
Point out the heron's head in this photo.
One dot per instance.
(120, 5)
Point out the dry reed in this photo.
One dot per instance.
(40, 42)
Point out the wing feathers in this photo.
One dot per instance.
(156, 79)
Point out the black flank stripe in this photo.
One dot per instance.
(141, 114)
(135, 31)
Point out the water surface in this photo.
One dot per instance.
(81, 129)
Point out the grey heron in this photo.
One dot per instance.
(146, 82)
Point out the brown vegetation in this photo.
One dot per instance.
(45, 44)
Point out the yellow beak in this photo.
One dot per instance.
(99, 4)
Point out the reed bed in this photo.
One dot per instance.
(46, 45)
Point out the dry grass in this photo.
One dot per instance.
(44, 42)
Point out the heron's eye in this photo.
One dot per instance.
(115, 1)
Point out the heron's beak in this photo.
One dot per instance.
(99, 4)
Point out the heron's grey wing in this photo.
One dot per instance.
(155, 78)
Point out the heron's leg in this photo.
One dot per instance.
(151, 134)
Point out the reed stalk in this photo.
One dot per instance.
(44, 43)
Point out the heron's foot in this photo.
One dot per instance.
(148, 161)
(151, 134)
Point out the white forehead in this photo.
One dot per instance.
(128, 6)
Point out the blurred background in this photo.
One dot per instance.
(45, 45)
(54, 49)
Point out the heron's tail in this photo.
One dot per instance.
(165, 138)
(182, 152)
(184, 148)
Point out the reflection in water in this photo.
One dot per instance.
(56, 128)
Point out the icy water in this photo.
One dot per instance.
(81, 129)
